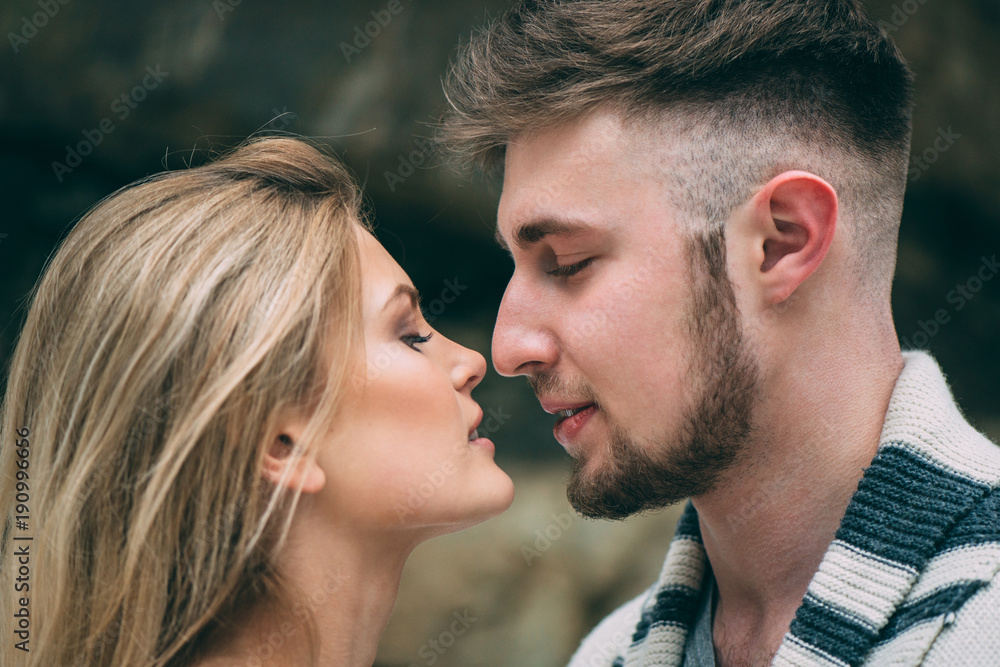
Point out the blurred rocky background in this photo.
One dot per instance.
(96, 94)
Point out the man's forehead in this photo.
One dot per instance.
(593, 137)
(564, 173)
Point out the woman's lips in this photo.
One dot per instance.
(568, 428)
(484, 443)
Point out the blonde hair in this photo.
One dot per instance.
(176, 321)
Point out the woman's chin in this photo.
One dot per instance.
(501, 495)
(470, 510)
(496, 503)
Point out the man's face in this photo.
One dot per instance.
(615, 315)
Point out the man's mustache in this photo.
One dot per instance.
(550, 385)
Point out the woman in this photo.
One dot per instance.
(227, 425)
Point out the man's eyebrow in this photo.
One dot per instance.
(402, 289)
(530, 233)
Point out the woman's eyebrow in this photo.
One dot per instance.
(402, 289)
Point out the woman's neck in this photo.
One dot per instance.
(346, 582)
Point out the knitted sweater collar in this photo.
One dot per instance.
(930, 469)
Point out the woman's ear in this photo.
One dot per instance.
(280, 467)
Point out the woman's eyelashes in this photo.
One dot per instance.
(412, 340)
(569, 269)
(408, 327)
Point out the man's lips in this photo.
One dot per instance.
(571, 423)
(572, 412)
(564, 409)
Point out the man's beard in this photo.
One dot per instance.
(713, 436)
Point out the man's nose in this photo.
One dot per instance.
(523, 339)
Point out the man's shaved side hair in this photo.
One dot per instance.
(729, 93)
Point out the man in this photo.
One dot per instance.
(702, 201)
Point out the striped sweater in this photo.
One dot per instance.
(912, 576)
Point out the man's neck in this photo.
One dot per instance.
(767, 526)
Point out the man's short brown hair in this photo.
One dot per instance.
(756, 86)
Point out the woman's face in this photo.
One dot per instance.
(404, 454)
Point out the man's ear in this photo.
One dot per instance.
(279, 467)
(792, 222)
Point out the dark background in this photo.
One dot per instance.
(236, 68)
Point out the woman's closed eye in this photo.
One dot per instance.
(412, 339)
